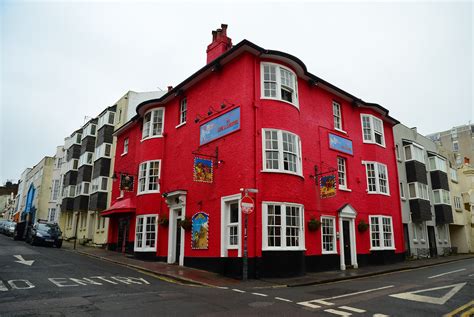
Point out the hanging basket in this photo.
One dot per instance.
(164, 221)
(186, 224)
(314, 224)
(362, 226)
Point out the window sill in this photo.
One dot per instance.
(296, 105)
(181, 124)
(382, 249)
(328, 252)
(148, 192)
(283, 249)
(345, 189)
(152, 137)
(399, 160)
(145, 250)
(378, 193)
(124, 153)
(458, 210)
(423, 241)
(370, 142)
(403, 198)
(233, 247)
(282, 172)
(341, 131)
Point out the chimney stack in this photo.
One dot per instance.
(220, 43)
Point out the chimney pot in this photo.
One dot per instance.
(170, 87)
(220, 43)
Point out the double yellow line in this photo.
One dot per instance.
(466, 310)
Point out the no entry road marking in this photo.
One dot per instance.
(438, 275)
(23, 261)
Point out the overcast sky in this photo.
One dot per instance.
(62, 61)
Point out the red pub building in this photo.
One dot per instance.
(322, 161)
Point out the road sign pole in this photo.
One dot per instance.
(246, 265)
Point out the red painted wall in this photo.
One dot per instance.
(238, 82)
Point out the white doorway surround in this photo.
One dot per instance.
(347, 214)
(176, 202)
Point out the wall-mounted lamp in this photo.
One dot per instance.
(198, 118)
(211, 110)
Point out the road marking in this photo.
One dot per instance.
(322, 301)
(355, 310)
(238, 290)
(459, 309)
(380, 315)
(471, 275)
(434, 276)
(222, 287)
(284, 299)
(23, 261)
(429, 299)
(337, 312)
(3, 288)
(14, 284)
(468, 313)
(260, 294)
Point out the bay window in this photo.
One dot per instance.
(282, 226)
(83, 189)
(441, 196)
(99, 184)
(148, 177)
(103, 150)
(107, 118)
(437, 164)
(372, 130)
(414, 152)
(153, 123)
(381, 233)
(282, 152)
(377, 178)
(418, 191)
(86, 158)
(279, 82)
(146, 233)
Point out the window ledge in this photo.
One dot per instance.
(370, 142)
(423, 241)
(403, 198)
(328, 252)
(282, 172)
(345, 189)
(341, 131)
(296, 105)
(124, 153)
(152, 137)
(233, 247)
(148, 192)
(283, 249)
(181, 124)
(378, 193)
(381, 249)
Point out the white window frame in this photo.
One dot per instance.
(125, 146)
(101, 151)
(381, 232)
(278, 82)
(105, 119)
(421, 191)
(454, 175)
(443, 195)
(183, 111)
(87, 131)
(372, 119)
(281, 152)
(437, 164)
(417, 153)
(83, 189)
(337, 116)
(378, 179)
(402, 191)
(77, 138)
(282, 247)
(147, 128)
(147, 177)
(457, 202)
(87, 158)
(52, 212)
(143, 233)
(233, 225)
(342, 170)
(397, 153)
(97, 184)
(55, 190)
(333, 235)
(69, 191)
(455, 148)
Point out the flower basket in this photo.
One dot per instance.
(186, 224)
(314, 224)
(362, 226)
(164, 221)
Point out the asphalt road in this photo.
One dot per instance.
(64, 283)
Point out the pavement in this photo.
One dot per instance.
(189, 275)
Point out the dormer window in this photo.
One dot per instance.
(279, 82)
(153, 123)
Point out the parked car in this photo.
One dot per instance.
(10, 228)
(45, 234)
(4, 225)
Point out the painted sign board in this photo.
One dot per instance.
(220, 126)
(340, 144)
(200, 233)
(328, 186)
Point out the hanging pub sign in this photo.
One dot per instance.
(126, 182)
(220, 126)
(203, 171)
(328, 186)
(200, 232)
(340, 144)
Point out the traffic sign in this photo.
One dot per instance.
(247, 204)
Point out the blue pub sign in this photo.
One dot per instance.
(340, 144)
(220, 126)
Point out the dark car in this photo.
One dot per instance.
(45, 234)
(10, 228)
